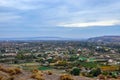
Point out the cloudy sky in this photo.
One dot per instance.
(59, 18)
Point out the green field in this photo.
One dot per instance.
(44, 68)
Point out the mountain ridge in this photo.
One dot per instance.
(105, 39)
(38, 38)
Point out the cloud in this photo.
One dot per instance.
(47, 12)
(9, 17)
(92, 24)
(52, 16)
(81, 11)
(18, 4)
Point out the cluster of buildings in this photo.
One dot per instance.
(55, 50)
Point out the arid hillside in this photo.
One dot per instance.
(13, 73)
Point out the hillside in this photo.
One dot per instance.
(13, 73)
(105, 39)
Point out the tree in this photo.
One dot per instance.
(96, 72)
(75, 71)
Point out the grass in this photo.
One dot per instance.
(44, 68)
(89, 64)
(27, 66)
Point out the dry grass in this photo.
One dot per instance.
(11, 70)
(66, 77)
(8, 73)
(49, 72)
(37, 75)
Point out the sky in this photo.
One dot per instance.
(59, 18)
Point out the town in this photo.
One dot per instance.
(90, 59)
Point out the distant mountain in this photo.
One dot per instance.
(37, 38)
(105, 39)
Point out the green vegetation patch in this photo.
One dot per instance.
(89, 64)
(45, 68)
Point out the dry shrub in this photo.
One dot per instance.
(1, 77)
(11, 70)
(35, 71)
(23, 78)
(3, 69)
(4, 76)
(11, 78)
(18, 70)
(37, 75)
(66, 77)
(108, 76)
(7, 78)
(49, 72)
(0, 67)
(118, 77)
(102, 77)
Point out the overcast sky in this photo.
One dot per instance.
(59, 18)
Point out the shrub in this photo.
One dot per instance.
(1, 77)
(96, 72)
(66, 77)
(105, 73)
(108, 76)
(75, 71)
(18, 70)
(49, 73)
(114, 74)
(3, 69)
(13, 71)
(11, 78)
(35, 71)
(61, 63)
(37, 75)
(102, 77)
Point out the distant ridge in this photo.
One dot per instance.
(39, 38)
(33, 38)
(105, 39)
